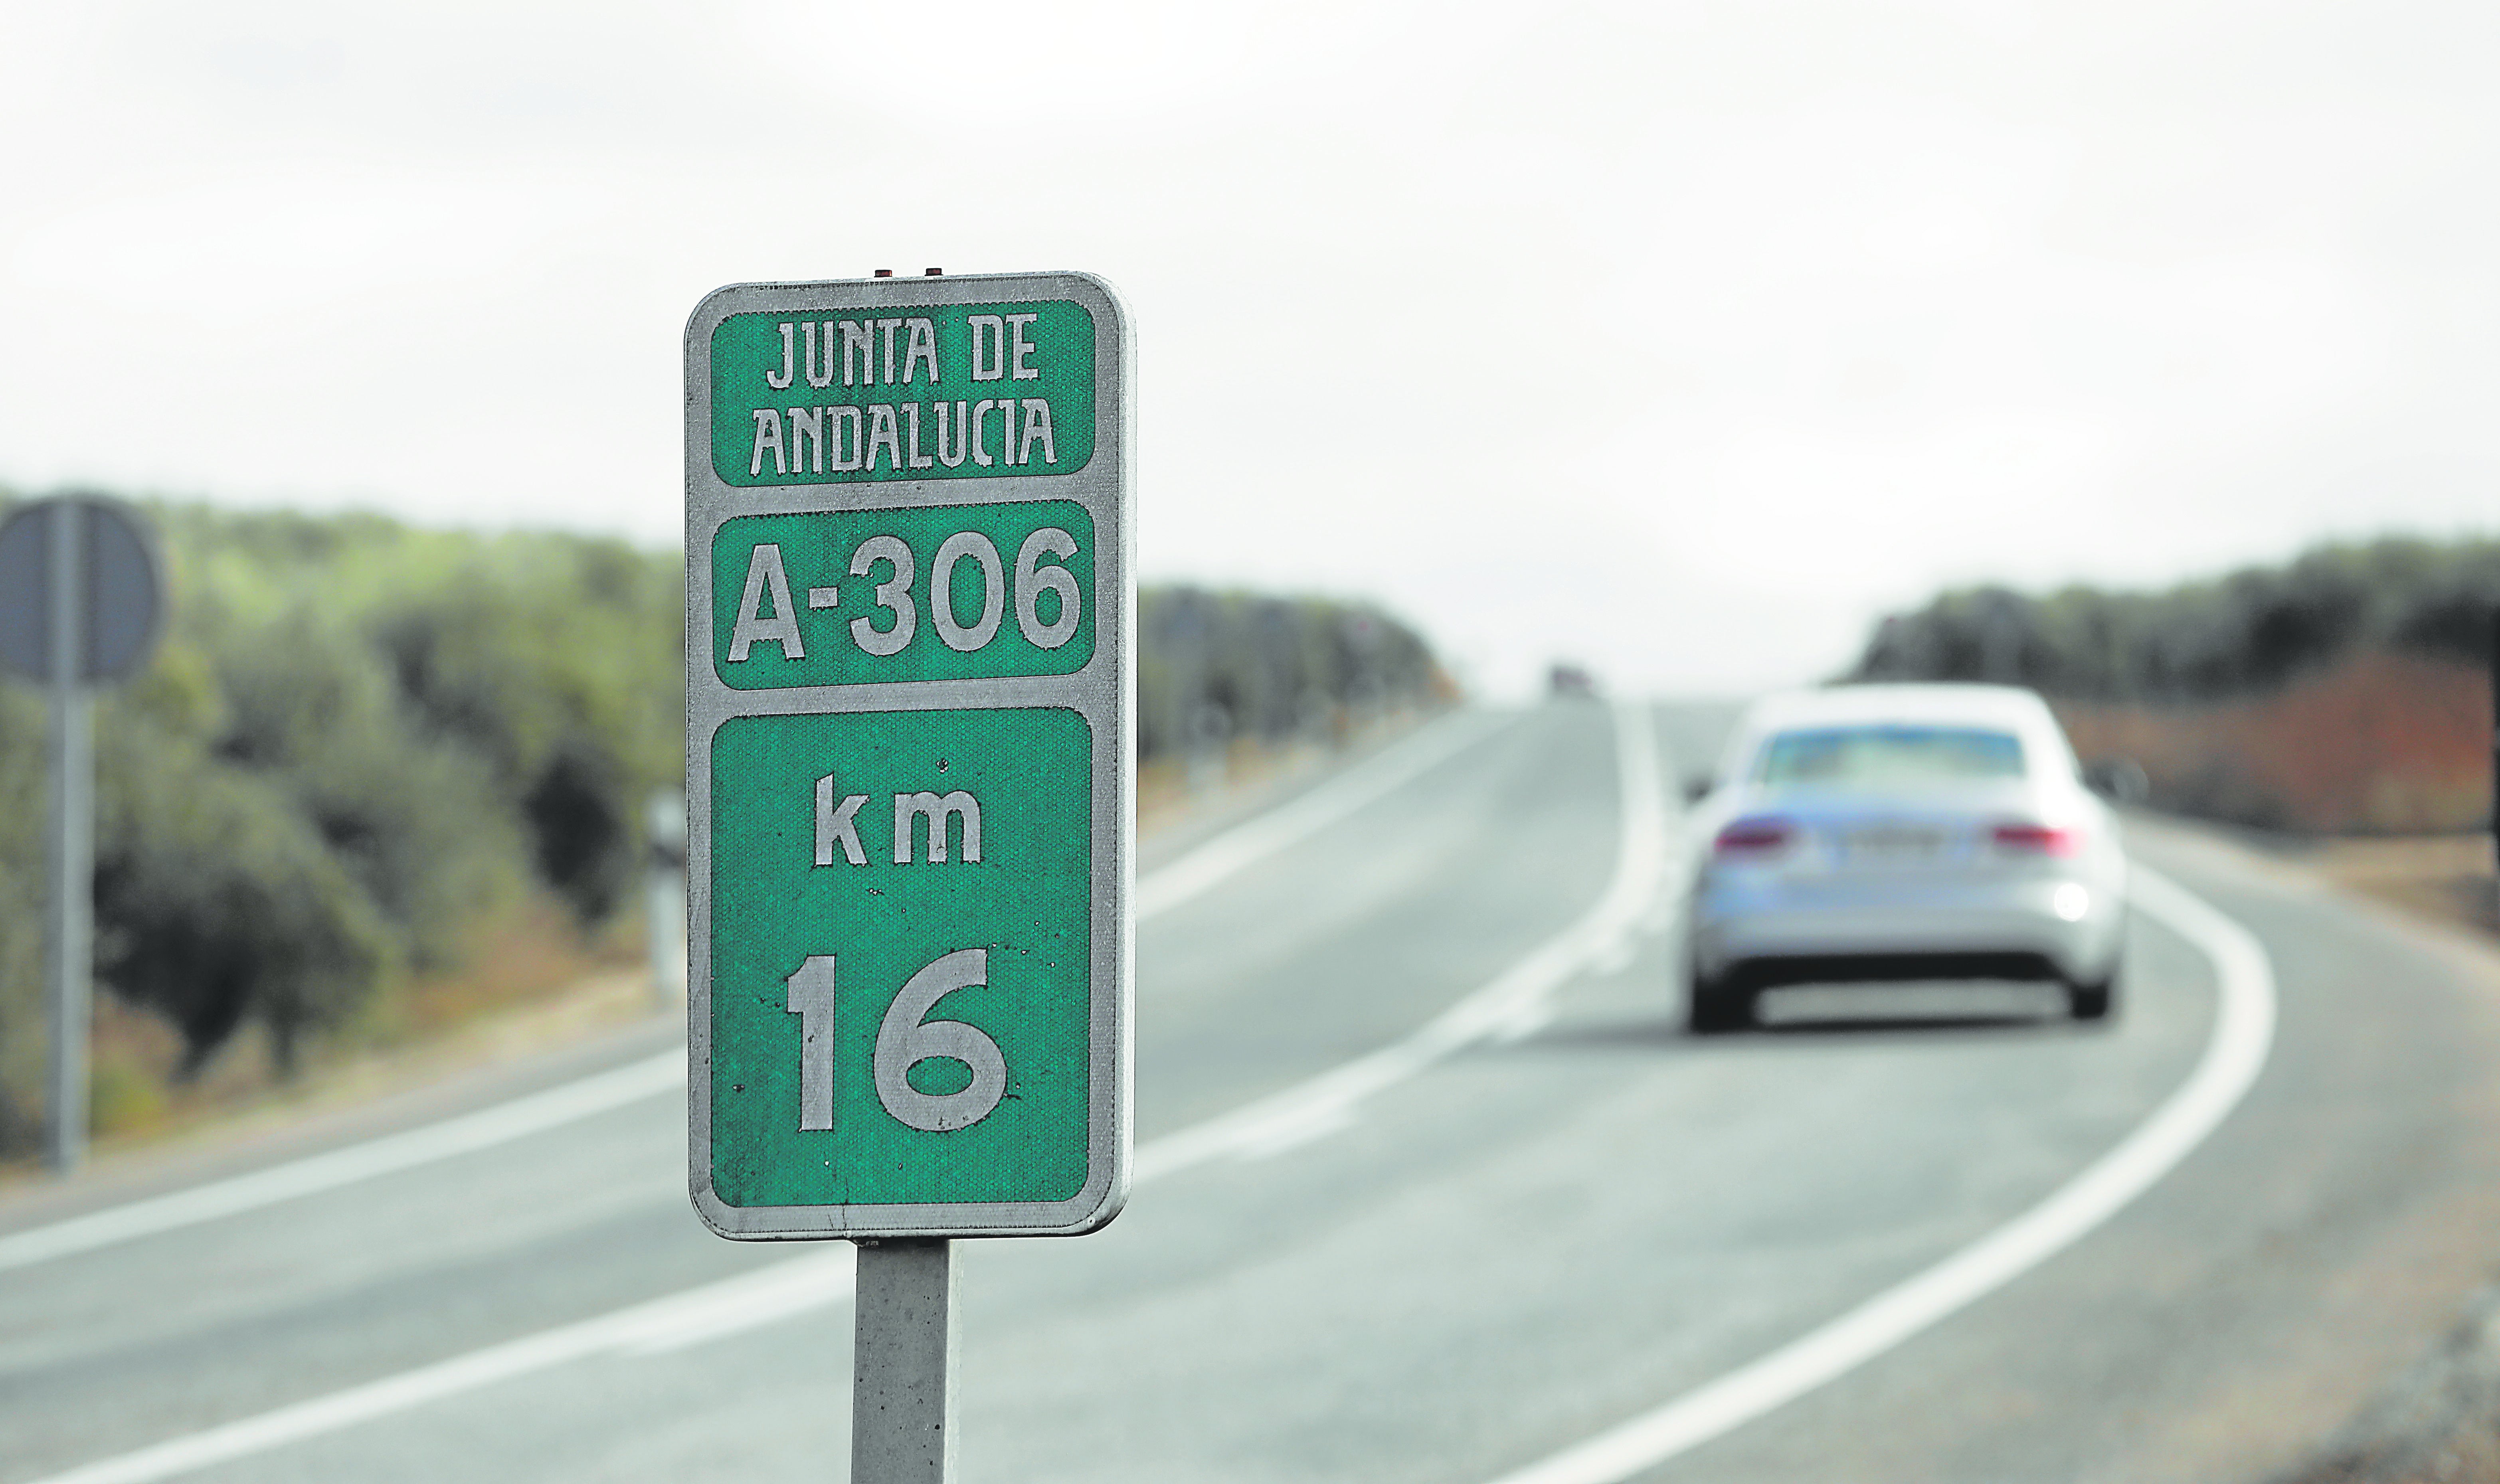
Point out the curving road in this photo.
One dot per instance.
(1434, 1192)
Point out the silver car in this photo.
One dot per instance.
(1902, 831)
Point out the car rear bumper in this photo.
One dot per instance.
(1907, 929)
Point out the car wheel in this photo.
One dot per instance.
(2095, 1000)
(1716, 1006)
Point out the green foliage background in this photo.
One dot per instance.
(358, 740)
(1213, 666)
(2244, 633)
(362, 739)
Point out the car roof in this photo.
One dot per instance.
(2005, 706)
(2010, 708)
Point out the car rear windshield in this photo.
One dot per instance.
(1886, 756)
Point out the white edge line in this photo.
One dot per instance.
(1517, 994)
(783, 1290)
(1244, 845)
(2234, 1055)
(487, 1126)
(791, 1286)
(1250, 843)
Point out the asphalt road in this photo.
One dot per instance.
(1530, 1222)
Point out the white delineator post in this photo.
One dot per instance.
(665, 895)
(69, 922)
(903, 1362)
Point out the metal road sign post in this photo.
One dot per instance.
(909, 622)
(81, 602)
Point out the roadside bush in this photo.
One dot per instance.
(1214, 666)
(359, 741)
(2246, 633)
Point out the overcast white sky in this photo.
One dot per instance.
(1681, 338)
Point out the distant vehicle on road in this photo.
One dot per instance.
(1872, 833)
(1565, 679)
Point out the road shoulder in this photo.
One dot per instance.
(2423, 1305)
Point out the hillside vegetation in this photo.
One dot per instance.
(2252, 630)
(2347, 690)
(364, 747)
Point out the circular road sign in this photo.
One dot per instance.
(118, 594)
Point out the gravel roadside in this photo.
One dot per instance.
(2439, 1419)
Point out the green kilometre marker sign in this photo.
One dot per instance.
(908, 628)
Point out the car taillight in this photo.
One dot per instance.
(2039, 840)
(1755, 837)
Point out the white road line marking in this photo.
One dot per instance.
(759, 1297)
(1285, 1139)
(660, 1324)
(2234, 1056)
(481, 1130)
(1244, 845)
(1515, 996)
(796, 1285)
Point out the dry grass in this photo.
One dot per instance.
(2378, 743)
(529, 981)
(2446, 876)
(1173, 790)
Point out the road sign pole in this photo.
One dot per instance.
(902, 1363)
(67, 945)
(82, 603)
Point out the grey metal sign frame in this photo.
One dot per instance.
(1101, 691)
